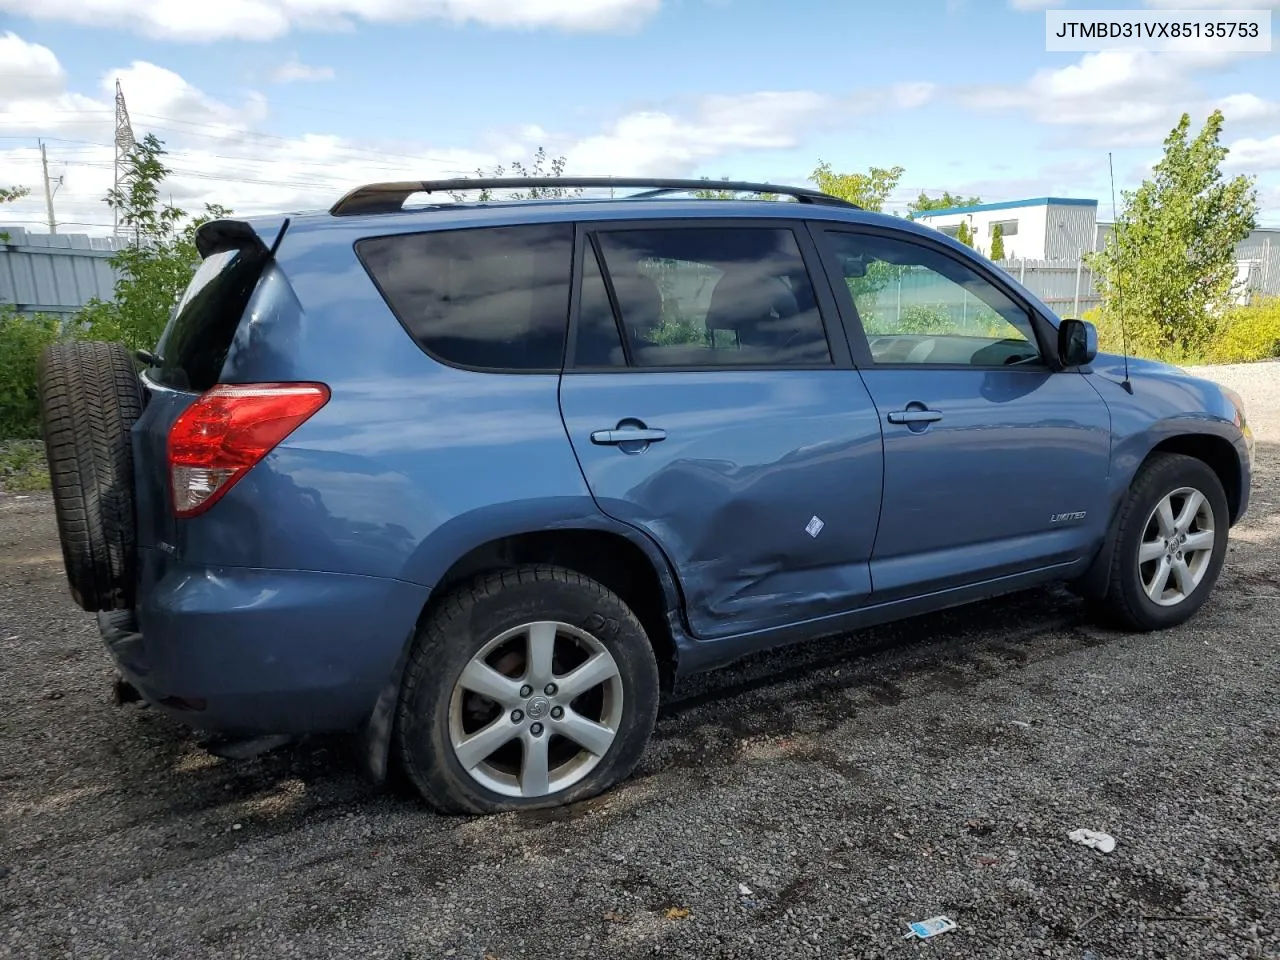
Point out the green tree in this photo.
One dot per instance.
(154, 270)
(709, 194)
(964, 234)
(997, 242)
(925, 203)
(868, 190)
(8, 195)
(1170, 262)
(539, 166)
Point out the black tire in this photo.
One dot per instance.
(460, 627)
(90, 398)
(1126, 602)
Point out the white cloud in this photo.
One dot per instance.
(1247, 107)
(294, 71)
(271, 19)
(1254, 155)
(28, 69)
(219, 153)
(1120, 97)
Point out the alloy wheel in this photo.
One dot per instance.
(1176, 547)
(536, 709)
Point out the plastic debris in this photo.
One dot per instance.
(744, 890)
(677, 913)
(924, 929)
(1021, 723)
(1102, 842)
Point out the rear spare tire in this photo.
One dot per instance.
(90, 398)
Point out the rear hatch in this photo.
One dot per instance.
(189, 359)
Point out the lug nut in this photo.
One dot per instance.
(557, 713)
(549, 689)
(536, 729)
(517, 716)
(526, 690)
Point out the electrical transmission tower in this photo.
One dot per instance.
(124, 146)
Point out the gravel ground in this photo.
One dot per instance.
(804, 803)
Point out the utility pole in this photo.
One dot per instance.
(48, 188)
(124, 144)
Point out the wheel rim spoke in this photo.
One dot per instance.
(479, 677)
(1164, 517)
(542, 648)
(534, 774)
(1182, 577)
(597, 670)
(1195, 499)
(1200, 540)
(1151, 550)
(481, 744)
(1159, 580)
(591, 736)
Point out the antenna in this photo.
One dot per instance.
(1124, 328)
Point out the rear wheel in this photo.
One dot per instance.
(1170, 543)
(530, 688)
(90, 398)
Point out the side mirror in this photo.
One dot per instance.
(1077, 342)
(855, 268)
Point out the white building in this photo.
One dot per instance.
(1061, 228)
(1046, 228)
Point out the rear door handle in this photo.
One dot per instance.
(914, 416)
(614, 437)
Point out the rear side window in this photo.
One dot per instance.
(492, 298)
(195, 342)
(713, 296)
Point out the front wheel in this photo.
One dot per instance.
(531, 687)
(1170, 543)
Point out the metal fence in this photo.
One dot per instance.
(55, 273)
(1066, 286)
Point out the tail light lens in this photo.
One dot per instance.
(219, 438)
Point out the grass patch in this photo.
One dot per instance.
(22, 466)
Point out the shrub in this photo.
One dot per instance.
(22, 340)
(1250, 332)
(1241, 335)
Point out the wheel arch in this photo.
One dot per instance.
(619, 557)
(1212, 448)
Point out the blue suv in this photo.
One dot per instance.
(478, 479)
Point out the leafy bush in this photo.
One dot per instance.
(22, 466)
(1241, 334)
(22, 340)
(1245, 333)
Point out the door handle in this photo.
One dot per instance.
(615, 437)
(914, 416)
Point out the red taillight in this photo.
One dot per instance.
(219, 438)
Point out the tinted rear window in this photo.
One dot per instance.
(493, 298)
(194, 345)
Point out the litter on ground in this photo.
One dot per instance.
(1092, 838)
(924, 929)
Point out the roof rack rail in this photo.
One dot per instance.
(390, 197)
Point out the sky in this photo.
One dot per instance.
(282, 105)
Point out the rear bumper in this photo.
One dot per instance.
(242, 650)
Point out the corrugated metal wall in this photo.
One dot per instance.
(58, 274)
(1069, 228)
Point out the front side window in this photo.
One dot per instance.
(918, 305)
(492, 298)
(707, 296)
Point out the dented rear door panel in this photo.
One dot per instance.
(764, 492)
